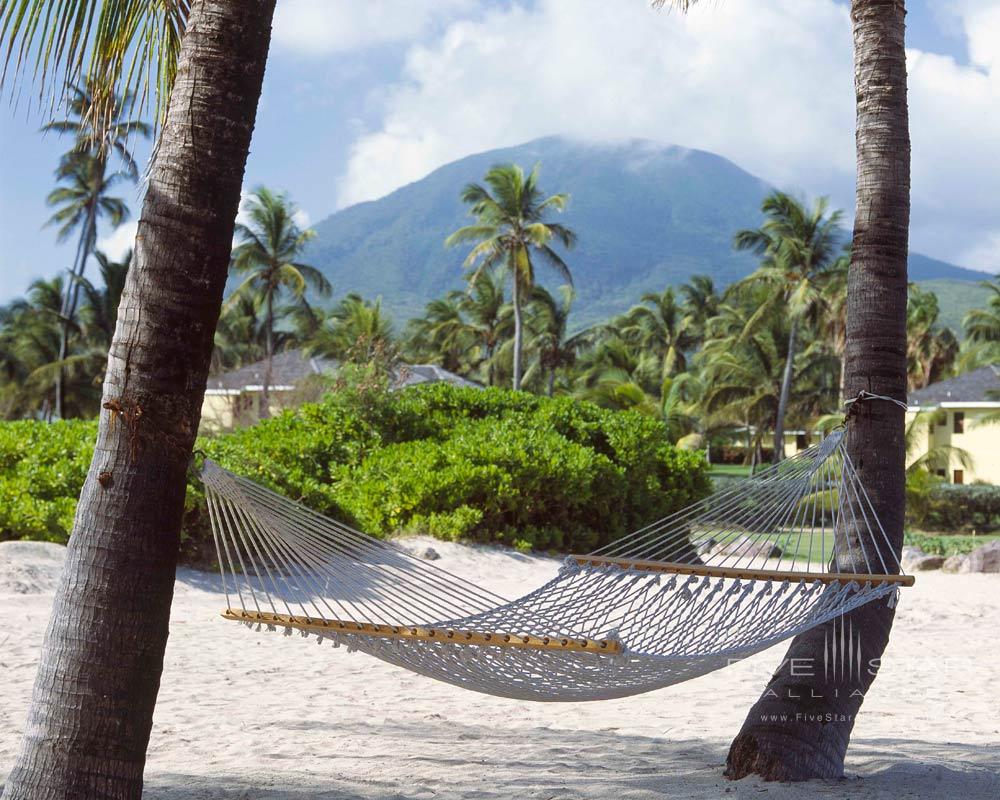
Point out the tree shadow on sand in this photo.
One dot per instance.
(437, 758)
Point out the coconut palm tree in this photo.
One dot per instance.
(81, 202)
(356, 331)
(833, 322)
(510, 231)
(32, 336)
(85, 167)
(701, 302)
(931, 349)
(264, 256)
(81, 369)
(660, 326)
(554, 347)
(875, 361)
(798, 247)
(442, 335)
(982, 328)
(203, 63)
(484, 306)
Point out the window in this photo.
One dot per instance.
(801, 441)
(957, 476)
(959, 422)
(941, 473)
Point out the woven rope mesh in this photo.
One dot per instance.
(624, 620)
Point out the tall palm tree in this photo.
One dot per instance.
(510, 230)
(551, 341)
(96, 137)
(931, 349)
(442, 335)
(34, 325)
(80, 371)
(875, 361)
(982, 327)
(81, 203)
(356, 331)
(102, 657)
(798, 247)
(484, 307)
(265, 253)
(833, 326)
(701, 302)
(660, 326)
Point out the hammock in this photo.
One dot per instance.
(709, 585)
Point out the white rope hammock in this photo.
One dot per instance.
(725, 578)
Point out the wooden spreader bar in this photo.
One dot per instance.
(447, 635)
(742, 572)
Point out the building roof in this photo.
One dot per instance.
(415, 374)
(979, 386)
(287, 369)
(290, 367)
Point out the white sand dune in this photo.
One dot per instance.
(257, 715)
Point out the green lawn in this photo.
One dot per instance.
(738, 470)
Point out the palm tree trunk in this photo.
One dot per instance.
(518, 332)
(551, 390)
(265, 395)
(809, 743)
(91, 712)
(786, 389)
(69, 299)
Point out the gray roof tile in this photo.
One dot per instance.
(977, 386)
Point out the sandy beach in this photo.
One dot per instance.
(257, 715)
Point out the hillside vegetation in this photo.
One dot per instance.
(648, 215)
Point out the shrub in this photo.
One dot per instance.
(947, 545)
(489, 465)
(42, 469)
(932, 504)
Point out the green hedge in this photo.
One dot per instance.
(42, 468)
(488, 465)
(932, 504)
(947, 545)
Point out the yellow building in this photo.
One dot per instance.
(233, 399)
(956, 414)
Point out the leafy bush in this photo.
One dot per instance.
(42, 469)
(947, 545)
(932, 504)
(489, 465)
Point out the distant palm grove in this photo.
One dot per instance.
(743, 363)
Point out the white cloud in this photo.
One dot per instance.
(768, 85)
(321, 27)
(955, 128)
(117, 243)
(757, 82)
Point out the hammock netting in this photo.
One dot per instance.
(774, 555)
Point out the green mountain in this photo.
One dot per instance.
(647, 215)
(956, 299)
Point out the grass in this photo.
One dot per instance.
(737, 470)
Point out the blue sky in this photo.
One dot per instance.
(362, 97)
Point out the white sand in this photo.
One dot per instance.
(254, 715)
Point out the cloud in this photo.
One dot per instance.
(768, 85)
(117, 243)
(322, 27)
(714, 79)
